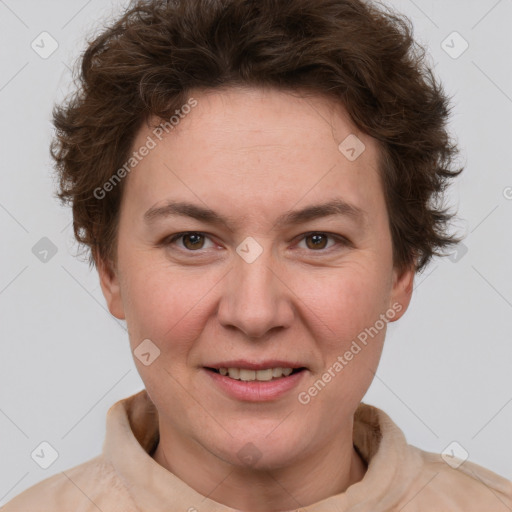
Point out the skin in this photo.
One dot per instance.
(251, 155)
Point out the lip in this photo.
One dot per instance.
(256, 391)
(252, 365)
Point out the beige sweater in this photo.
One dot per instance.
(400, 477)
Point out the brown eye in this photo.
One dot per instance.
(193, 241)
(323, 243)
(318, 241)
(190, 241)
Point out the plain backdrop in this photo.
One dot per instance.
(445, 374)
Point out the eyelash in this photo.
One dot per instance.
(340, 241)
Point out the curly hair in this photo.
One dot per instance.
(360, 53)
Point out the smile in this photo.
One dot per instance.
(256, 375)
(255, 385)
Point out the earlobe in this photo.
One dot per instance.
(109, 282)
(403, 284)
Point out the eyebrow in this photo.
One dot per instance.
(292, 217)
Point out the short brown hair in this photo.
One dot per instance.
(146, 62)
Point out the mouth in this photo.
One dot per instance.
(257, 386)
(267, 381)
(251, 375)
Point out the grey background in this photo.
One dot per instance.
(445, 372)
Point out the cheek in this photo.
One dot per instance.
(350, 336)
(344, 302)
(163, 304)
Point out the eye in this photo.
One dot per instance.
(317, 240)
(192, 240)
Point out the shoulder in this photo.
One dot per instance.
(90, 486)
(458, 486)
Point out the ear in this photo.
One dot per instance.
(401, 293)
(110, 287)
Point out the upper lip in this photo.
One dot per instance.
(252, 365)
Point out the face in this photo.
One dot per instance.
(262, 287)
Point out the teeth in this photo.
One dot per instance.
(252, 375)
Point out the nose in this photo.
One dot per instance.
(256, 297)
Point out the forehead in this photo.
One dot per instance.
(249, 147)
(257, 120)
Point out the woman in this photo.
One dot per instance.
(254, 181)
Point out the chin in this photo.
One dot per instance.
(258, 452)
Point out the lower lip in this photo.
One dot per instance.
(256, 391)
